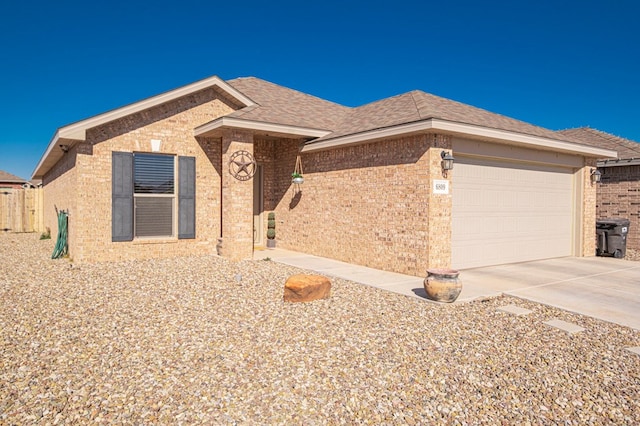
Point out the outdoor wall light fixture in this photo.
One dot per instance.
(447, 160)
(596, 176)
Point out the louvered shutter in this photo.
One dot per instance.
(121, 196)
(186, 197)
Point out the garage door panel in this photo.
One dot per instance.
(507, 250)
(508, 212)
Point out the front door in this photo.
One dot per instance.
(258, 207)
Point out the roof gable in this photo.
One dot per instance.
(78, 131)
(9, 178)
(281, 105)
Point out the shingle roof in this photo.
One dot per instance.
(418, 105)
(9, 178)
(387, 112)
(281, 105)
(627, 149)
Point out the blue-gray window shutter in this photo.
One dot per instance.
(121, 196)
(186, 197)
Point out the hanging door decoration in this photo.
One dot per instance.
(296, 176)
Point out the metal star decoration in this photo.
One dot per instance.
(242, 165)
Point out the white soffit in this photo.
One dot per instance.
(261, 126)
(435, 124)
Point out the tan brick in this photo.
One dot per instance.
(618, 196)
(365, 204)
(81, 181)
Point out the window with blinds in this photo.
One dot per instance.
(154, 195)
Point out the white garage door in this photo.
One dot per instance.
(505, 212)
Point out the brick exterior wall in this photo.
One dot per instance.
(373, 204)
(278, 159)
(370, 204)
(619, 197)
(237, 200)
(81, 182)
(367, 204)
(60, 191)
(10, 185)
(589, 195)
(440, 207)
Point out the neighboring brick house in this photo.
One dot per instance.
(172, 174)
(619, 189)
(7, 180)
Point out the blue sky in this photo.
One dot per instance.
(554, 63)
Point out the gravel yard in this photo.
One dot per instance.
(183, 341)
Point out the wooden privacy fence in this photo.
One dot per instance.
(21, 210)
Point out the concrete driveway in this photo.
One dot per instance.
(599, 287)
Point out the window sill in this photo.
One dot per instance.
(160, 240)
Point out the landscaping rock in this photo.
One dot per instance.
(181, 341)
(306, 288)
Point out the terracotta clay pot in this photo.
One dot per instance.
(442, 285)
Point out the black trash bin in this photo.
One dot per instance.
(612, 237)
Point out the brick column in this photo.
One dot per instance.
(440, 206)
(589, 210)
(237, 200)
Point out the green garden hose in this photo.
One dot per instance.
(62, 245)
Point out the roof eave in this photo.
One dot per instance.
(462, 129)
(78, 131)
(49, 158)
(214, 128)
(523, 139)
(619, 162)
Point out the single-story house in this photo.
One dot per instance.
(176, 173)
(619, 189)
(7, 180)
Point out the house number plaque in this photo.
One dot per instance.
(440, 186)
(242, 165)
